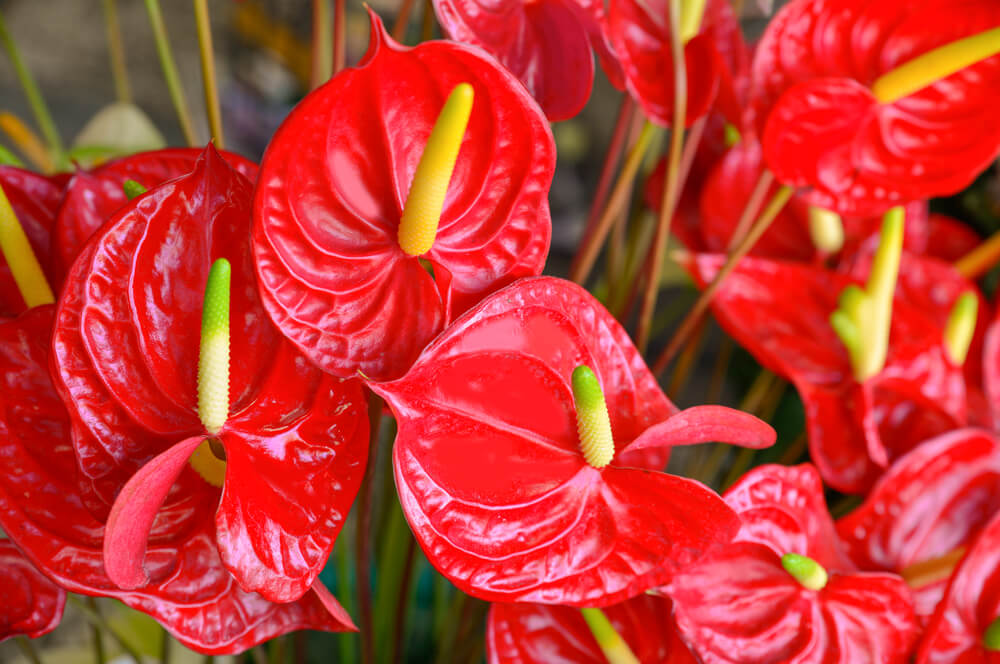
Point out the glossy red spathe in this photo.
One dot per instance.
(493, 392)
(31, 604)
(332, 187)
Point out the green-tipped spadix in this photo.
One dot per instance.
(731, 135)
(692, 12)
(991, 637)
(213, 361)
(615, 650)
(133, 189)
(592, 421)
(937, 64)
(826, 230)
(863, 316)
(806, 571)
(21, 259)
(422, 211)
(961, 326)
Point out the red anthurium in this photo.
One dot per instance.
(544, 634)
(546, 524)
(126, 361)
(831, 122)
(35, 200)
(193, 595)
(31, 604)
(783, 591)
(965, 628)
(546, 44)
(93, 196)
(780, 312)
(640, 34)
(929, 504)
(334, 183)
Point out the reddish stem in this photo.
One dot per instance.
(363, 542)
(339, 36)
(402, 21)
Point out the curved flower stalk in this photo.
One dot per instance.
(332, 193)
(192, 594)
(544, 634)
(548, 45)
(32, 605)
(571, 511)
(836, 113)
(783, 591)
(276, 472)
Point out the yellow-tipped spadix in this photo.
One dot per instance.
(692, 12)
(863, 316)
(991, 637)
(826, 230)
(961, 326)
(21, 259)
(805, 570)
(935, 65)
(422, 211)
(592, 421)
(213, 360)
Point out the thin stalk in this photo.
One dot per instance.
(208, 659)
(795, 450)
(208, 78)
(626, 111)
(116, 50)
(446, 641)
(96, 619)
(345, 593)
(24, 643)
(95, 633)
(170, 70)
(427, 22)
(442, 588)
(719, 371)
(8, 158)
(362, 544)
(38, 107)
(391, 574)
(744, 458)
(27, 141)
(751, 209)
(299, 647)
(845, 506)
(978, 262)
(339, 35)
(775, 206)
(686, 362)
(259, 655)
(165, 648)
(322, 44)
(402, 20)
(591, 244)
(402, 603)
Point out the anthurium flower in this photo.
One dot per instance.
(783, 591)
(781, 311)
(966, 626)
(34, 200)
(341, 173)
(856, 101)
(926, 511)
(193, 595)
(542, 387)
(543, 634)
(277, 456)
(93, 196)
(546, 44)
(32, 605)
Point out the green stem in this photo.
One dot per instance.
(165, 647)
(390, 577)
(8, 158)
(209, 82)
(345, 593)
(446, 641)
(24, 643)
(97, 620)
(608, 639)
(170, 70)
(362, 544)
(116, 50)
(34, 95)
(403, 603)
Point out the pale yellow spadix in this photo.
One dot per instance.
(826, 230)
(213, 359)
(615, 650)
(422, 211)
(21, 259)
(960, 327)
(211, 468)
(939, 63)
(592, 421)
(692, 12)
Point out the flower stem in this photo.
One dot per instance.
(95, 618)
(8, 158)
(116, 50)
(926, 572)
(402, 20)
(35, 99)
(608, 639)
(20, 257)
(322, 44)
(209, 81)
(170, 70)
(775, 205)
(362, 542)
(980, 260)
(626, 111)
(24, 643)
(391, 577)
(339, 35)
(26, 141)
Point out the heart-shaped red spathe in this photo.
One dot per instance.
(32, 605)
(738, 604)
(93, 196)
(35, 201)
(822, 128)
(931, 501)
(489, 469)
(972, 601)
(640, 34)
(41, 509)
(333, 184)
(544, 634)
(780, 312)
(547, 45)
(126, 355)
